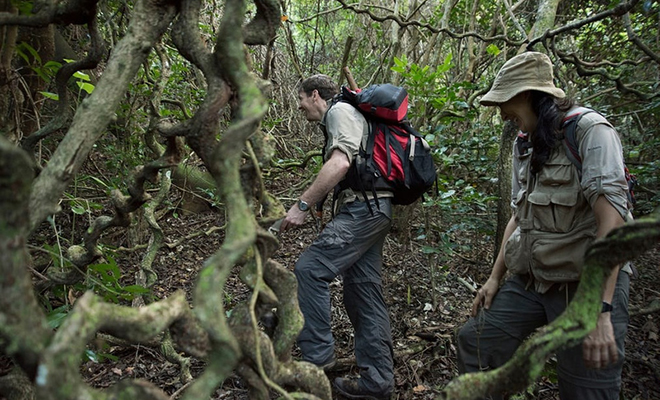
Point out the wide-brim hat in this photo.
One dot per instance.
(526, 71)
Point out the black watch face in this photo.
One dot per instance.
(303, 206)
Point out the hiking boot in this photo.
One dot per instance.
(351, 389)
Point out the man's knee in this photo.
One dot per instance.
(308, 267)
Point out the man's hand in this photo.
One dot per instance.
(485, 295)
(599, 347)
(332, 172)
(293, 218)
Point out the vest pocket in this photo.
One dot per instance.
(554, 198)
(560, 257)
(517, 253)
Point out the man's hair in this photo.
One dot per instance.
(326, 87)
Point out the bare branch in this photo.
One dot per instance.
(635, 39)
(75, 12)
(264, 25)
(509, 11)
(619, 10)
(432, 28)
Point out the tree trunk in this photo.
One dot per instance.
(9, 93)
(545, 19)
(504, 162)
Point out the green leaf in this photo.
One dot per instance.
(137, 289)
(492, 49)
(24, 7)
(430, 250)
(42, 73)
(32, 51)
(55, 317)
(53, 65)
(108, 272)
(91, 356)
(22, 54)
(78, 209)
(82, 76)
(100, 182)
(448, 194)
(87, 87)
(49, 95)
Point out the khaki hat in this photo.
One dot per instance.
(526, 71)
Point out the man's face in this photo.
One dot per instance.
(309, 105)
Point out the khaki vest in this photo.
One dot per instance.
(556, 224)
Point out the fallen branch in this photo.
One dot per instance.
(467, 284)
(650, 309)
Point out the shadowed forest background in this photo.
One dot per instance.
(146, 146)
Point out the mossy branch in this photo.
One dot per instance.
(58, 374)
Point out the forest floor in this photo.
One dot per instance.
(424, 318)
(425, 311)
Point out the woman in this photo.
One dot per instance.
(557, 212)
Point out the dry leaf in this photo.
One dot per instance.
(420, 388)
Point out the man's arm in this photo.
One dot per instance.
(332, 172)
(599, 347)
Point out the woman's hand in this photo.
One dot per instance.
(485, 295)
(599, 347)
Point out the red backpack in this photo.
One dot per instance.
(396, 157)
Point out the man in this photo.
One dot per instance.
(351, 245)
(558, 212)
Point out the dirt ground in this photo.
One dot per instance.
(425, 310)
(423, 318)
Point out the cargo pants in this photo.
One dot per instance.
(350, 245)
(489, 340)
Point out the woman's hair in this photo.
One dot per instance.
(326, 87)
(550, 111)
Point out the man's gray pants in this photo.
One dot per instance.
(489, 340)
(351, 245)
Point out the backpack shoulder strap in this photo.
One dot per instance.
(569, 124)
(521, 143)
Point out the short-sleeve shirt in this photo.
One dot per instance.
(345, 128)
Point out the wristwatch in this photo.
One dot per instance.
(303, 205)
(607, 307)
